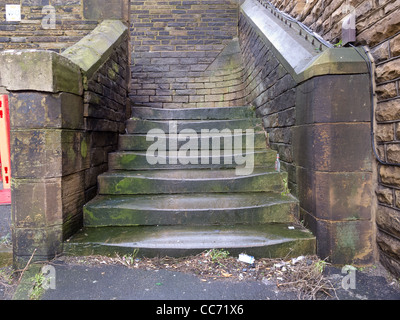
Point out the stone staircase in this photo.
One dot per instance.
(192, 196)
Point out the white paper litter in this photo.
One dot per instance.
(246, 258)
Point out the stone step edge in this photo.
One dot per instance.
(255, 241)
(144, 182)
(119, 210)
(141, 141)
(144, 112)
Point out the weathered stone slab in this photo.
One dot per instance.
(47, 242)
(192, 114)
(36, 203)
(337, 196)
(36, 153)
(333, 147)
(344, 242)
(189, 181)
(333, 98)
(41, 70)
(94, 49)
(41, 110)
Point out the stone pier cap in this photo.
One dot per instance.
(48, 71)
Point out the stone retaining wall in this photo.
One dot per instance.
(271, 90)
(378, 27)
(294, 86)
(65, 117)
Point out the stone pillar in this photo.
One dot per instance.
(315, 103)
(332, 152)
(46, 117)
(66, 113)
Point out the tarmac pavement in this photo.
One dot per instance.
(117, 282)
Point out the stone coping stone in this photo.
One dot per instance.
(94, 49)
(48, 71)
(41, 70)
(299, 56)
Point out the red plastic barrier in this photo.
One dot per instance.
(5, 141)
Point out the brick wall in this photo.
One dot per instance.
(378, 27)
(70, 27)
(174, 44)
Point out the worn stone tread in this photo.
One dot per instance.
(134, 125)
(141, 141)
(272, 240)
(190, 209)
(223, 113)
(137, 160)
(189, 181)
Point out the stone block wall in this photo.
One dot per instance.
(105, 110)
(70, 27)
(65, 117)
(271, 89)
(378, 27)
(174, 48)
(310, 125)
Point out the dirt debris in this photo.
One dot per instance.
(303, 274)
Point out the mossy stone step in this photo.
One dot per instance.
(271, 241)
(134, 125)
(190, 209)
(189, 181)
(222, 113)
(179, 201)
(141, 142)
(140, 160)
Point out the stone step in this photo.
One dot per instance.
(141, 142)
(223, 113)
(177, 199)
(189, 181)
(191, 209)
(271, 241)
(192, 126)
(140, 160)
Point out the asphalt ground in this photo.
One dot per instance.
(118, 282)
